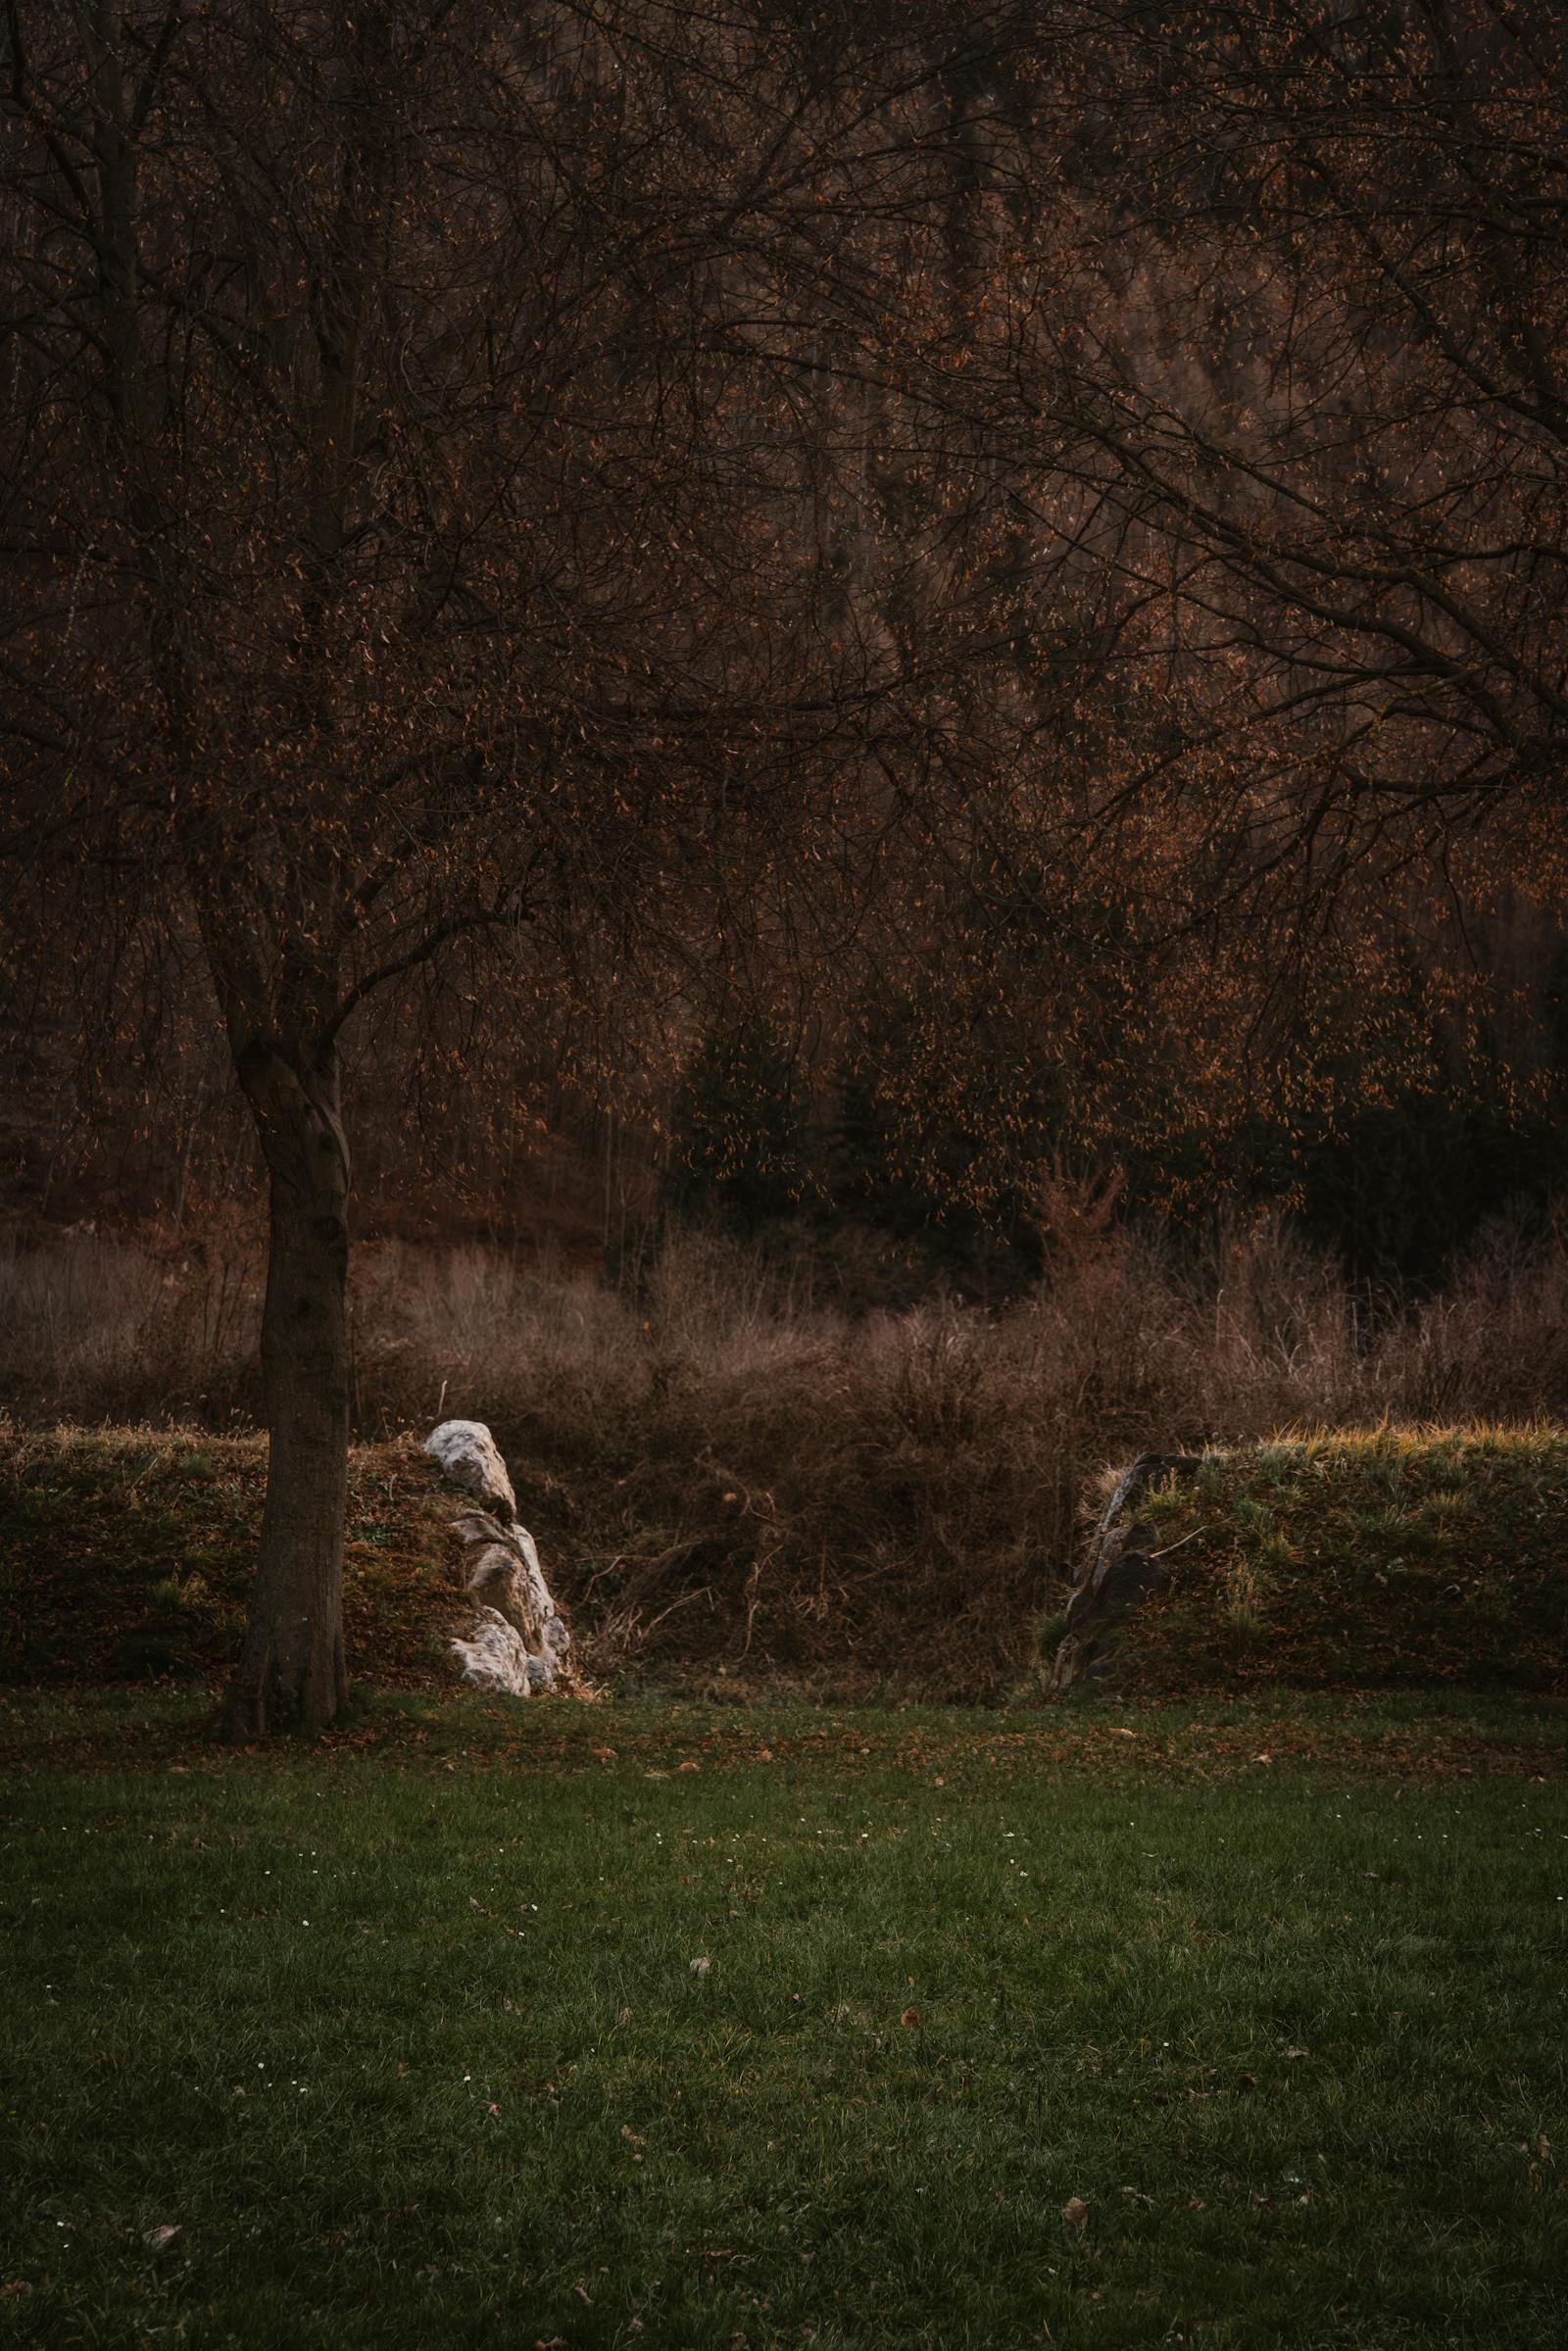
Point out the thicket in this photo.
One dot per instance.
(1394, 1137)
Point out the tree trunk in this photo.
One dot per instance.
(290, 1674)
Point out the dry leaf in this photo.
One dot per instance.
(911, 2016)
(1075, 2212)
(161, 2236)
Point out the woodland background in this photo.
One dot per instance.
(919, 662)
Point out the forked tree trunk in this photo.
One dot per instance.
(290, 1675)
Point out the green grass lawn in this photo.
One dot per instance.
(497, 2026)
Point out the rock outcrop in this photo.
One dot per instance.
(469, 1456)
(494, 1657)
(1119, 1569)
(520, 1644)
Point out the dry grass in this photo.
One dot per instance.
(728, 1474)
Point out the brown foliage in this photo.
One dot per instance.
(589, 508)
(429, 537)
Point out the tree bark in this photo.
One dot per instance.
(290, 1674)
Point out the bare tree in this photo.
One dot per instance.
(418, 510)
(1306, 368)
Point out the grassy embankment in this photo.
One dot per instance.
(129, 1553)
(411, 2039)
(1395, 1558)
(729, 1463)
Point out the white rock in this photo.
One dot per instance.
(495, 1658)
(469, 1456)
(534, 1578)
(520, 1643)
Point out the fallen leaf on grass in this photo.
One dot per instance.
(161, 2236)
(1075, 2212)
(911, 2016)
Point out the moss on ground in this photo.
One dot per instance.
(129, 1553)
(1397, 1557)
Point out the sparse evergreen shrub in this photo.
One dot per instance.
(944, 1124)
(1403, 1187)
(741, 1139)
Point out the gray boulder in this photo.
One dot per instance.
(1118, 1571)
(520, 1643)
(493, 1657)
(469, 1456)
